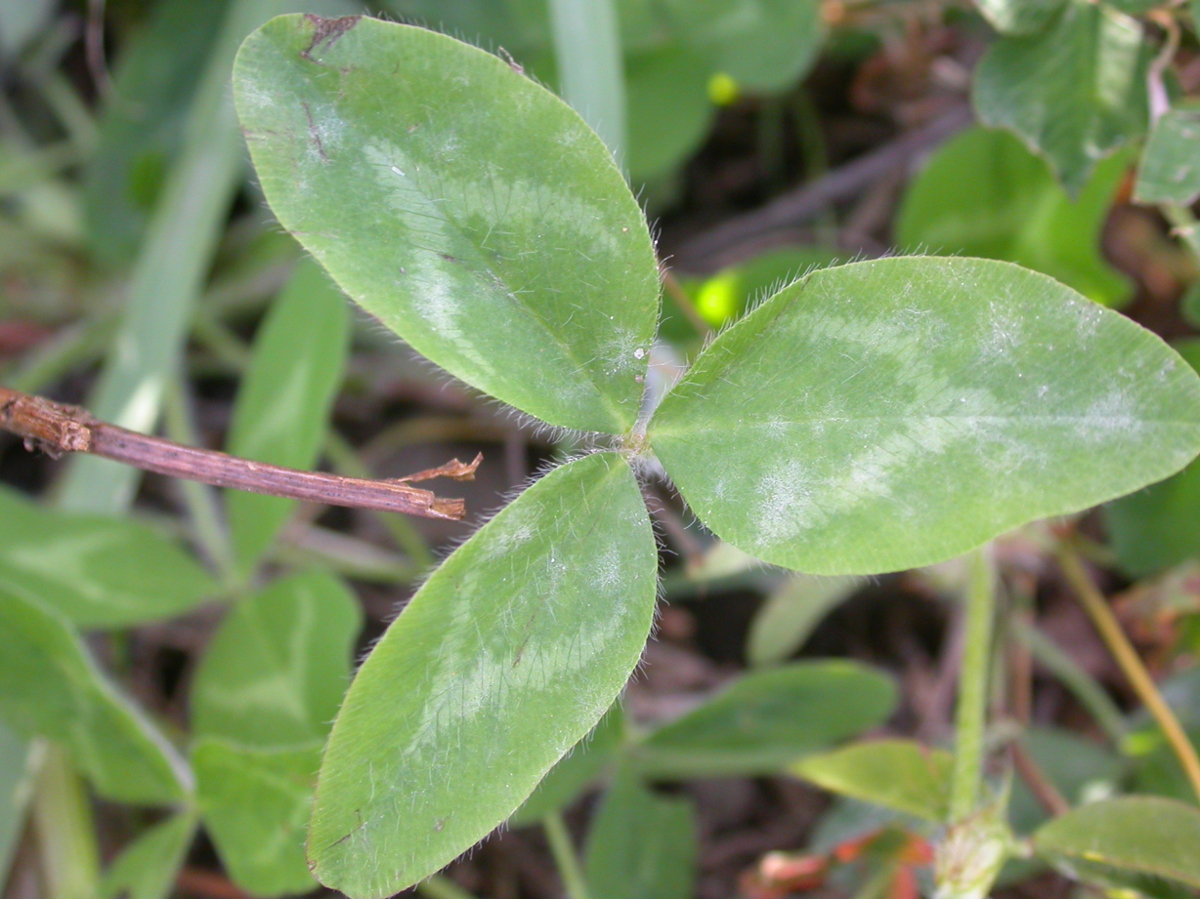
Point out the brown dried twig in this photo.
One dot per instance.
(711, 249)
(1127, 659)
(1039, 784)
(57, 428)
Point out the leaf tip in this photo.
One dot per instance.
(326, 31)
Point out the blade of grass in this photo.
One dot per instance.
(70, 110)
(439, 887)
(587, 51)
(344, 555)
(166, 280)
(170, 271)
(1082, 685)
(62, 820)
(565, 858)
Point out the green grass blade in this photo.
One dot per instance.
(170, 270)
(283, 405)
(51, 686)
(587, 50)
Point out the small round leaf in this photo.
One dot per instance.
(1141, 842)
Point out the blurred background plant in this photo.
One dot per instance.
(141, 274)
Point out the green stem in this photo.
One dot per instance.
(221, 342)
(62, 820)
(564, 856)
(1081, 684)
(439, 887)
(971, 715)
(816, 157)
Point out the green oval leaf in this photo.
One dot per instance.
(147, 867)
(256, 804)
(283, 404)
(1159, 526)
(1018, 16)
(277, 668)
(668, 108)
(564, 783)
(50, 686)
(1170, 169)
(99, 571)
(641, 845)
(894, 413)
(790, 614)
(985, 194)
(505, 658)
(767, 719)
(466, 207)
(900, 775)
(1074, 92)
(1131, 841)
(765, 45)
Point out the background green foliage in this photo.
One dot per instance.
(850, 418)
